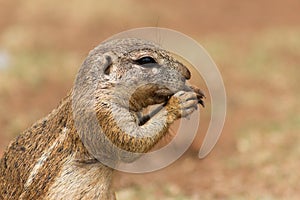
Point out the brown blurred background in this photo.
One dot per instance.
(256, 45)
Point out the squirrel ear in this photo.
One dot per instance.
(107, 64)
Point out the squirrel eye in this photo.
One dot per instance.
(146, 60)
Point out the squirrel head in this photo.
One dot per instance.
(141, 71)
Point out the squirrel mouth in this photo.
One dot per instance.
(164, 94)
(159, 96)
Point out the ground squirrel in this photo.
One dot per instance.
(60, 156)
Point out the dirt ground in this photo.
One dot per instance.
(256, 45)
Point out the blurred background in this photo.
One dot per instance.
(256, 45)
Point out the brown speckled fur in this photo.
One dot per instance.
(23, 153)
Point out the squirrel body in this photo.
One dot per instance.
(70, 153)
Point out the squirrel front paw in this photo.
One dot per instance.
(181, 104)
